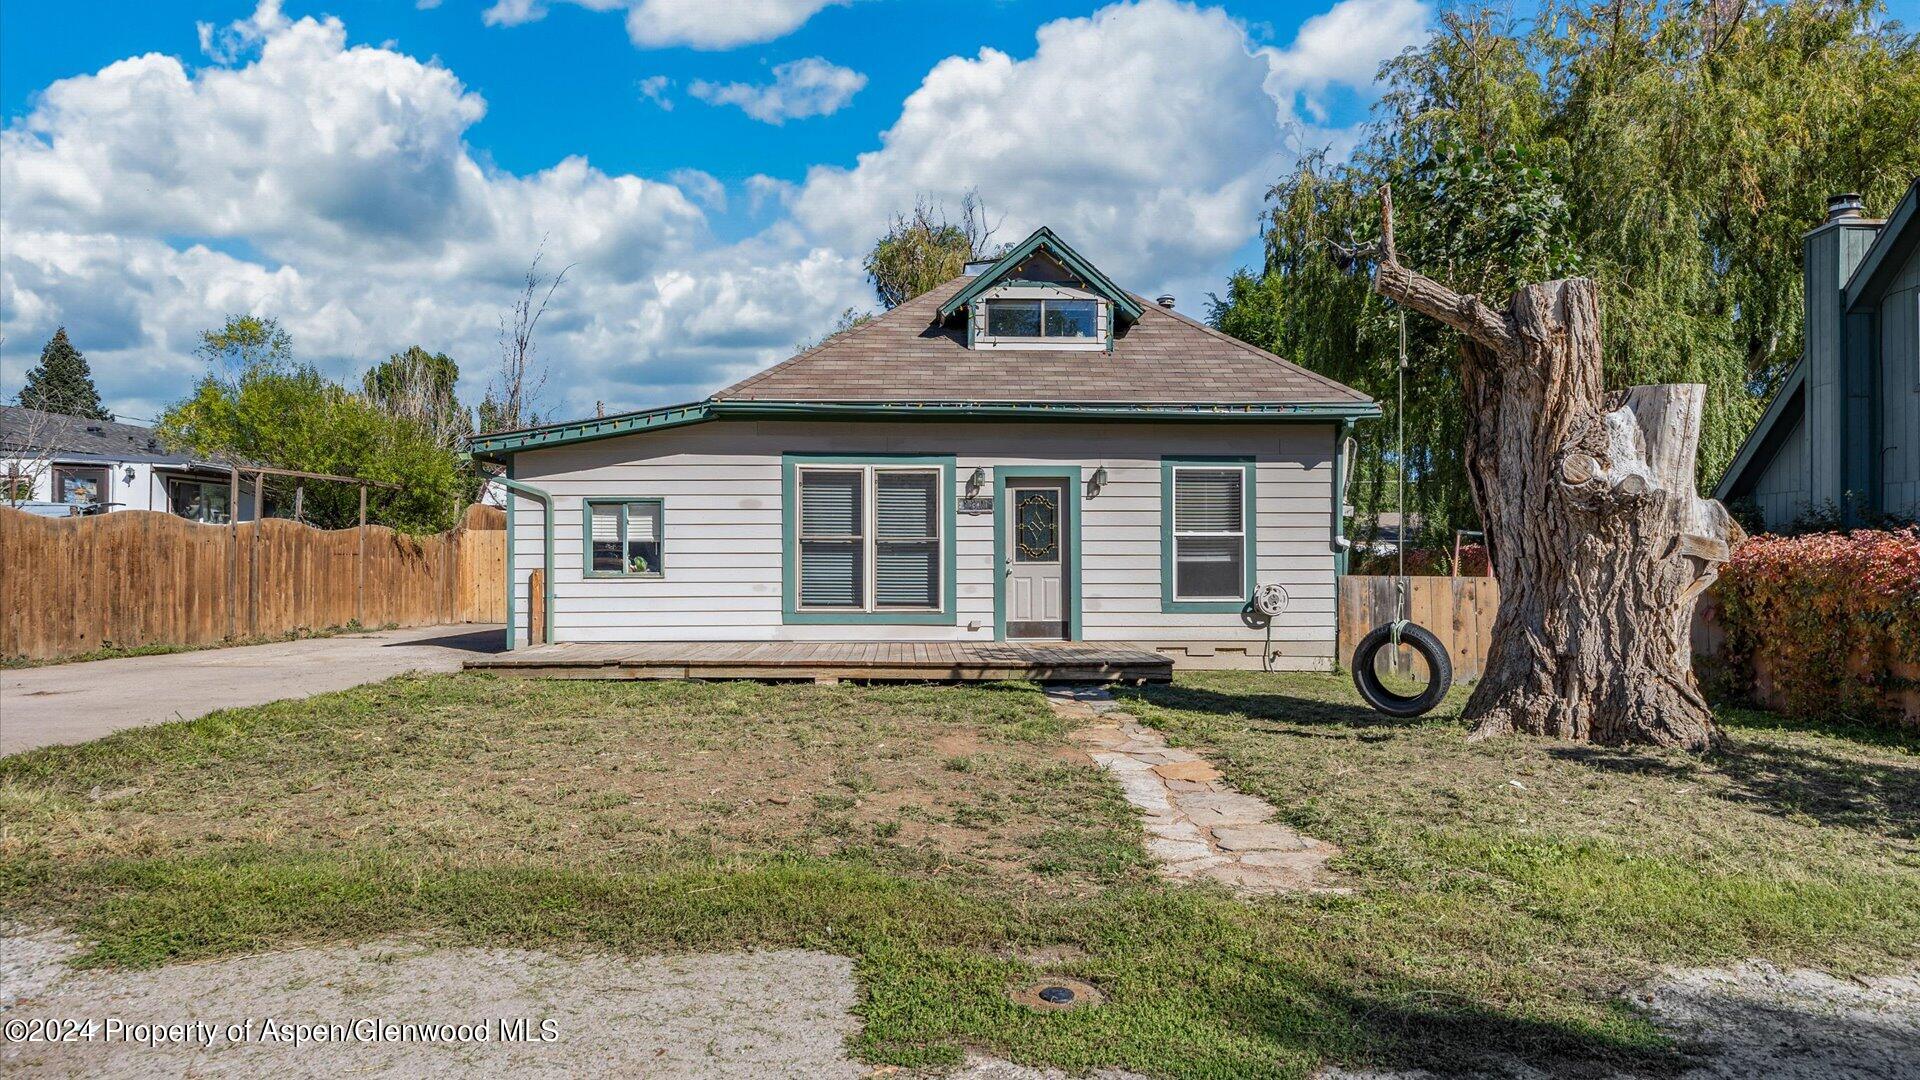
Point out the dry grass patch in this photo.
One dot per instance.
(969, 785)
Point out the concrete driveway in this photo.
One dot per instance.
(71, 703)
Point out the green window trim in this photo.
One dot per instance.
(790, 611)
(1249, 523)
(624, 503)
(1076, 494)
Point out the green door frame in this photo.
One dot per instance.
(1075, 486)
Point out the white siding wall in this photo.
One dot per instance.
(721, 485)
(145, 490)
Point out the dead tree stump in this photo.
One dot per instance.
(1596, 532)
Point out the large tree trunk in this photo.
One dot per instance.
(1597, 535)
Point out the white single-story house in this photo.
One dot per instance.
(51, 462)
(1023, 453)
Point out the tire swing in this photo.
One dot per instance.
(1401, 631)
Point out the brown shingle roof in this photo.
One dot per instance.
(1165, 358)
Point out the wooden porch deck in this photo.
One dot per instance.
(832, 661)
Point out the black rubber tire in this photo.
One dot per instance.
(1420, 640)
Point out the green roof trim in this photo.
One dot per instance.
(486, 446)
(1071, 259)
(493, 447)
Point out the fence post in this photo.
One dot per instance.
(253, 555)
(233, 548)
(360, 566)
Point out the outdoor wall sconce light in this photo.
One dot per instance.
(975, 482)
(1098, 481)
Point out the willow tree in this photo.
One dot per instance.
(1671, 153)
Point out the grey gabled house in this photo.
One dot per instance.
(56, 464)
(1842, 435)
(1027, 453)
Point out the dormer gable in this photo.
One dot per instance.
(1041, 294)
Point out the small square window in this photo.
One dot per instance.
(625, 539)
(83, 486)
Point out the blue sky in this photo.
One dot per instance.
(377, 173)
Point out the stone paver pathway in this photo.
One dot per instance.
(1198, 827)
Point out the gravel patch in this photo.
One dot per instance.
(1756, 1020)
(761, 1014)
(764, 1014)
(774, 1014)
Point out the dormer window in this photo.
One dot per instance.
(1040, 319)
(1040, 295)
(1040, 315)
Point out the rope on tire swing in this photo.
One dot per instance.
(1366, 677)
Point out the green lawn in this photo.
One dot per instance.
(950, 841)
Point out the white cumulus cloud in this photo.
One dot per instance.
(800, 88)
(1146, 135)
(699, 24)
(1346, 45)
(333, 187)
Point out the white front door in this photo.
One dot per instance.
(1035, 537)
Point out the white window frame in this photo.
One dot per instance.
(980, 336)
(869, 538)
(1173, 516)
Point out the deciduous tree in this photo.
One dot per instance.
(926, 248)
(259, 405)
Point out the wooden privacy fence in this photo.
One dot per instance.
(1459, 611)
(72, 585)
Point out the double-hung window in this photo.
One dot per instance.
(1207, 517)
(625, 538)
(868, 540)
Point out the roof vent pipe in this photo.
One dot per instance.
(1844, 207)
(1165, 300)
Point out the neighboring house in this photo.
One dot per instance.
(48, 460)
(1028, 452)
(1843, 433)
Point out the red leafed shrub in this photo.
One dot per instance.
(1826, 624)
(1422, 562)
(1473, 561)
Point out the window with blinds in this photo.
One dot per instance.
(832, 539)
(624, 539)
(869, 539)
(1209, 534)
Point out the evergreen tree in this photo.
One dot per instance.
(62, 383)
